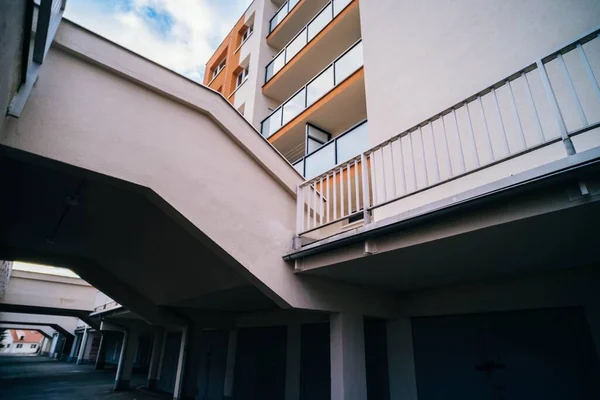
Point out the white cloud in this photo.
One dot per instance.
(178, 34)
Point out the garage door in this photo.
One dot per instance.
(543, 354)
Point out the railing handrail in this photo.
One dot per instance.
(299, 32)
(586, 37)
(311, 81)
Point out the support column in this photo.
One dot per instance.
(82, 346)
(157, 347)
(74, 348)
(128, 350)
(101, 357)
(181, 364)
(348, 373)
(401, 360)
(292, 367)
(230, 367)
(54, 345)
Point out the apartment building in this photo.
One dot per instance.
(388, 200)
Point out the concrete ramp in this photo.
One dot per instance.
(155, 190)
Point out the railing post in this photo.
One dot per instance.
(562, 127)
(299, 216)
(366, 192)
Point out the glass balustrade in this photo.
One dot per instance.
(282, 13)
(312, 29)
(344, 66)
(340, 149)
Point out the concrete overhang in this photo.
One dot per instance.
(341, 33)
(46, 331)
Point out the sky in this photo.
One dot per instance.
(178, 34)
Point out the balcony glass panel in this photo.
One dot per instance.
(343, 67)
(292, 4)
(312, 145)
(279, 16)
(299, 166)
(275, 65)
(339, 5)
(320, 161)
(320, 86)
(318, 134)
(296, 45)
(352, 143)
(349, 63)
(271, 124)
(294, 106)
(320, 22)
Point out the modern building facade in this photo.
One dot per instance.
(397, 200)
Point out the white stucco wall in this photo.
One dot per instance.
(424, 56)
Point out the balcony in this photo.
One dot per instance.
(543, 119)
(290, 19)
(334, 100)
(333, 29)
(342, 148)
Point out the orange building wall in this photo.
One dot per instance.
(225, 82)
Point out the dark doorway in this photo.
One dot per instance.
(260, 364)
(168, 373)
(211, 373)
(376, 361)
(315, 361)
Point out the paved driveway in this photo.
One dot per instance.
(42, 378)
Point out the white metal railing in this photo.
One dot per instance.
(549, 101)
(306, 34)
(335, 73)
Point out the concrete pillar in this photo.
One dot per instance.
(74, 349)
(128, 351)
(230, 366)
(155, 357)
(177, 393)
(101, 357)
(401, 360)
(82, 346)
(53, 345)
(292, 367)
(348, 371)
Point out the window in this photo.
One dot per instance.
(33, 346)
(242, 77)
(219, 68)
(247, 33)
(19, 346)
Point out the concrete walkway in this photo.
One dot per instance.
(42, 378)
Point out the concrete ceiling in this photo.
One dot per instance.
(120, 238)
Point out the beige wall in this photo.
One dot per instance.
(424, 56)
(125, 117)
